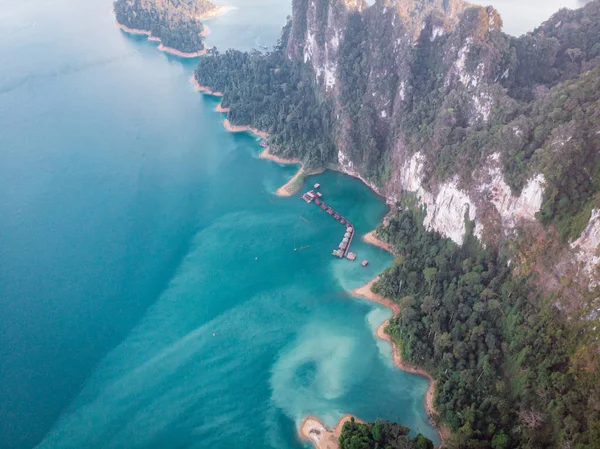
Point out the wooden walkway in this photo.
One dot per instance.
(312, 196)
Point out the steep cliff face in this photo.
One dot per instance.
(431, 97)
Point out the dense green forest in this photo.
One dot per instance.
(510, 372)
(275, 94)
(380, 435)
(173, 21)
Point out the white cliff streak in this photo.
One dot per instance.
(447, 209)
(512, 209)
(587, 247)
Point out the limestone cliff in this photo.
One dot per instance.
(430, 97)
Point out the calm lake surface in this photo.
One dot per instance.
(150, 295)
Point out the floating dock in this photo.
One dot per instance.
(343, 250)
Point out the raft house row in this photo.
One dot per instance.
(313, 196)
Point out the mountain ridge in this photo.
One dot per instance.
(439, 115)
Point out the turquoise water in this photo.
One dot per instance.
(150, 294)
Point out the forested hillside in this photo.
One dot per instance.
(175, 22)
(380, 435)
(273, 94)
(511, 372)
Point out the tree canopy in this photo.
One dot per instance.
(175, 22)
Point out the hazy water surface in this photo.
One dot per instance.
(150, 291)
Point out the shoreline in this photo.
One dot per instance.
(161, 47)
(321, 436)
(291, 187)
(204, 89)
(365, 292)
(220, 108)
(244, 128)
(294, 185)
(311, 429)
(372, 239)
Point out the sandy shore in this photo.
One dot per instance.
(161, 47)
(220, 108)
(205, 31)
(291, 187)
(372, 239)
(242, 129)
(204, 89)
(365, 292)
(181, 54)
(266, 154)
(294, 185)
(322, 437)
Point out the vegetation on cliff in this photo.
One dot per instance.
(513, 96)
(380, 435)
(274, 94)
(175, 22)
(510, 372)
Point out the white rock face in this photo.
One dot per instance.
(323, 59)
(481, 100)
(512, 209)
(483, 107)
(445, 210)
(448, 205)
(310, 47)
(437, 32)
(402, 90)
(460, 65)
(587, 247)
(330, 70)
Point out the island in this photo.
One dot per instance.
(351, 433)
(176, 24)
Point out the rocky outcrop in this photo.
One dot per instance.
(410, 82)
(587, 249)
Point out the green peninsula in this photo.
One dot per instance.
(177, 23)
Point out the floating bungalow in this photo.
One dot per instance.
(343, 249)
(365, 263)
(309, 197)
